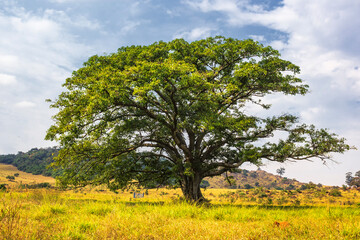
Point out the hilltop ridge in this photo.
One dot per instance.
(36, 161)
(245, 179)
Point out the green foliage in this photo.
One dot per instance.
(204, 184)
(290, 187)
(35, 161)
(11, 178)
(280, 171)
(36, 185)
(248, 186)
(172, 113)
(335, 192)
(253, 175)
(353, 180)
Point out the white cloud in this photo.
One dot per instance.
(323, 38)
(78, 21)
(194, 34)
(38, 51)
(311, 113)
(239, 12)
(69, 1)
(6, 79)
(217, 5)
(25, 104)
(259, 38)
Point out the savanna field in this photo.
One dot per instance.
(316, 213)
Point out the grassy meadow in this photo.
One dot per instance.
(314, 213)
(22, 178)
(232, 214)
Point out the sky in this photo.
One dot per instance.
(43, 41)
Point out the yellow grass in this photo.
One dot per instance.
(24, 178)
(53, 214)
(95, 213)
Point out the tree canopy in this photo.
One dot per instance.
(174, 113)
(34, 161)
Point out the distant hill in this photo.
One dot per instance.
(245, 179)
(20, 177)
(34, 161)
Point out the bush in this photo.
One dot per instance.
(36, 185)
(11, 178)
(204, 184)
(290, 187)
(335, 192)
(248, 186)
(253, 175)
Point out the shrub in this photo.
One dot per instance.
(36, 185)
(290, 187)
(335, 192)
(248, 186)
(253, 175)
(3, 187)
(204, 184)
(11, 178)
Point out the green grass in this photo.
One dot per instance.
(51, 214)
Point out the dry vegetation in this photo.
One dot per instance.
(24, 178)
(98, 214)
(252, 179)
(314, 213)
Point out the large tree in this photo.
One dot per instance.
(176, 112)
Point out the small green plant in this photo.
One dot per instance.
(335, 192)
(248, 186)
(297, 202)
(10, 178)
(3, 187)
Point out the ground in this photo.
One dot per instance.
(99, 214)
(314, 213)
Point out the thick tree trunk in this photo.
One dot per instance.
(191, 188)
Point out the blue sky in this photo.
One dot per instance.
(42, 42)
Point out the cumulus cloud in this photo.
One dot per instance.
(37, 52)
(194, 34)
(25, 104)
(6, 79)
(323, 39)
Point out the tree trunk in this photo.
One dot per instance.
(191, 188)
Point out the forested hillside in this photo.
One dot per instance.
(37, 159)
(34, 161)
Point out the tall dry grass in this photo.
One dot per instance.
(52, 214)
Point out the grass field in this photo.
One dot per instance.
(23, 178)
(95, 214)
(315, 213)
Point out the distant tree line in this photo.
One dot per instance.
(35, 161)
(353, 181)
